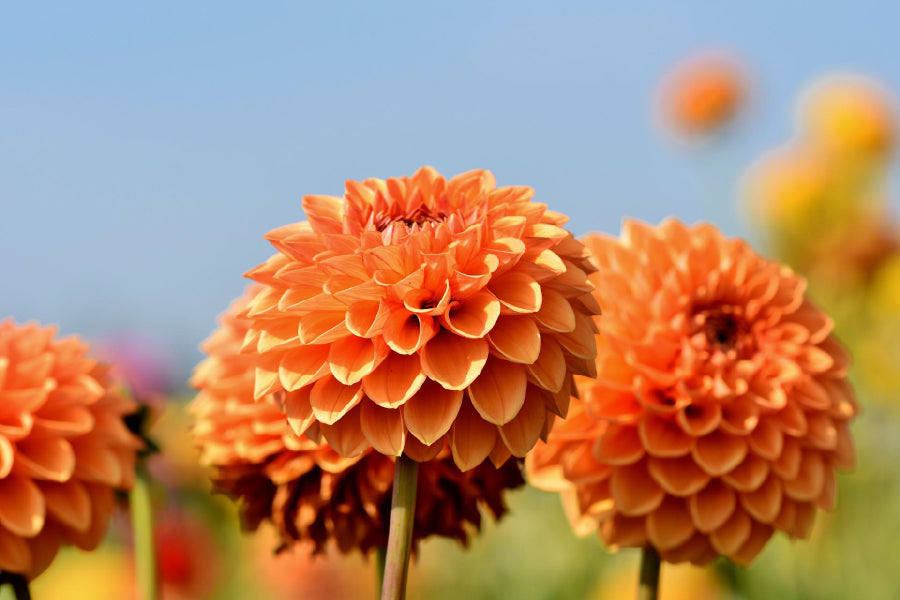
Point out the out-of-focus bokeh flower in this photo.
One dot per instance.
(187, 558)
(702, 93)
(104, 574)
(721, 407)
(850, 115)
(677, 582)
(142, 364)
(294, 573)
(64, 448)
(310, 492)
(418, 312)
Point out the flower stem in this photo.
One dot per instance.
(142, 525)
(19, 585)
(648, 586)
(403, 511)
(380, 556)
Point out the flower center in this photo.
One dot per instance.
(418, 216)
(721, 329)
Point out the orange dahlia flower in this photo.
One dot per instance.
(420, 312)
(702, 93)
(310, 492)
(721, 406)
(64, 447)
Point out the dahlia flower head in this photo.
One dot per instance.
(418, 312)
(64, 447)
(311, 494)
(721, 407)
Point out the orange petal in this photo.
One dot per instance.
(21, 506)
(96, 463)
(407, 332)
(549, 370)
(748, 475)
(516, 339)
(431, 411)
(419, 452)
(346, 436)
(298, 410)
(669, 525)
(712, 506)
(352, 358)
(7, 457)
(47, 458)
(635, 492)
(663, 437)
(500, 454)
(473, 317)
(366, 318)
(729, 538)
(517, 292)
(395, 380)
(766, 440)
(810, 479)
(302, 366)
(580, 341)
(383, 427)
(764, 503)
(471, 438)
(697, 420)
(619, 445)
(556, 312)
(522, 432)
(679, 476)
(330, 399)
(719, 453)
(499, 392)
(322, 327)
(788, 464)
(68, 503)
(759, 535)
(624, 532)
(454, 361)
(15, 555)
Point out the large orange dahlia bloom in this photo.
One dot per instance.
(310, 492)
(721, 406)
(64, 447)
(420, 312)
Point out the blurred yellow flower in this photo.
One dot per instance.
(105, 574)
(851, 115)
(677, 582)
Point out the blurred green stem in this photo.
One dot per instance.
(648, 586)
(403, 511)
(380, 557)
(142, 526)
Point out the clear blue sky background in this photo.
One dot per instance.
(145, 149)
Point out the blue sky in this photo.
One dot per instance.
(145, 149)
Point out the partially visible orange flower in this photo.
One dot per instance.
(702, 93)
(311, 493)
(64, 448)
(849, 115)
(418, 312)
(721, 407)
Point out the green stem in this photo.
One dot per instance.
(142, 525)
(380, 557)
(403, 513)
(648, 586)
(19, 585)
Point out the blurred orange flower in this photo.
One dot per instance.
(420, 312)
(721, 407)
(311, 493)
(849, 115)
(64, 447)
(702, 93)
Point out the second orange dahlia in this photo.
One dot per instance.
(721, 407)
(418, 312)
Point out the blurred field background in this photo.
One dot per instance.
(145, 150)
